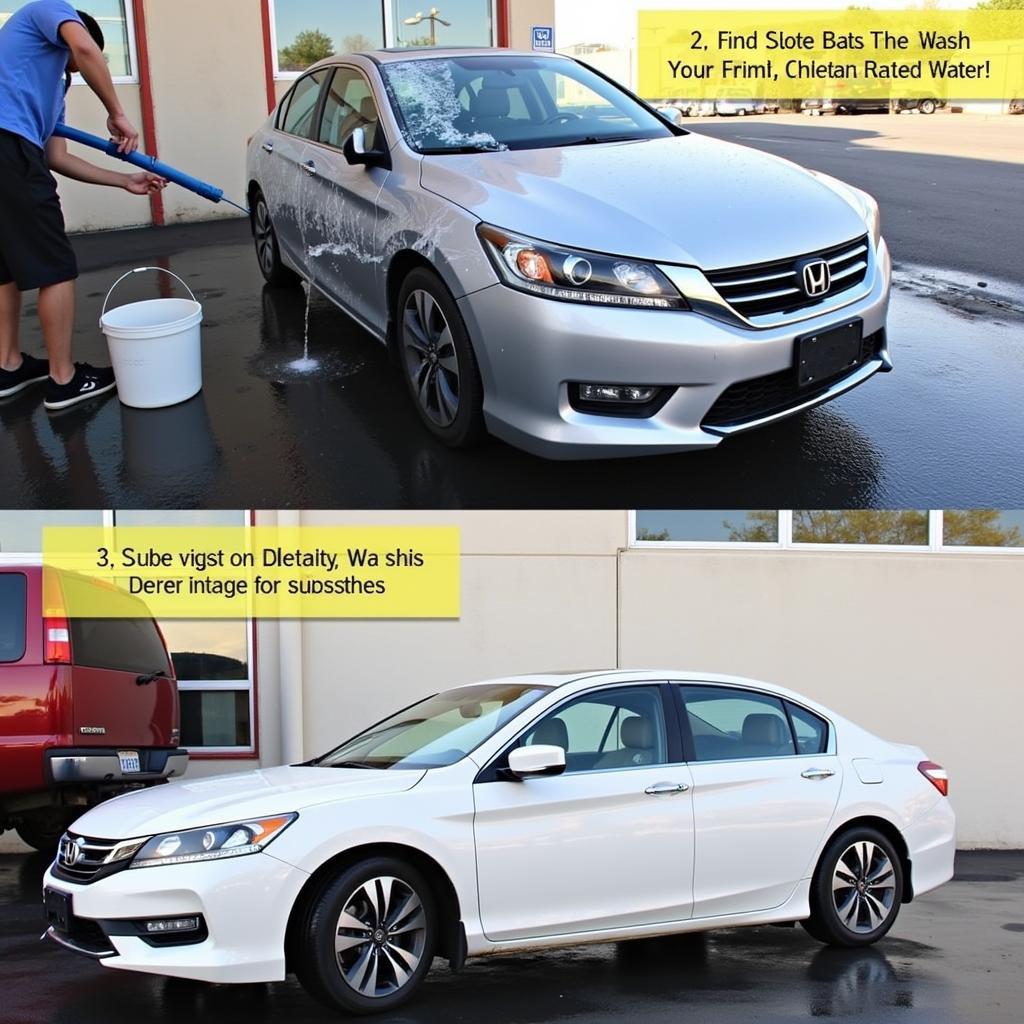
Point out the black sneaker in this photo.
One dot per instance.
(32, 371)
(88, 382)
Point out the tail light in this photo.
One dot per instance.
(56, 641)
(936, 775)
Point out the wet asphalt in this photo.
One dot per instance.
(954, 955)
(944, 430)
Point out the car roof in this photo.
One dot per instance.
(401, 54)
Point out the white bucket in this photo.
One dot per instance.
(155, 347)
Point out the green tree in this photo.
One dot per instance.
(307, 48)
(761, 527)
(979, 527)
(644, 534)
(999, 5)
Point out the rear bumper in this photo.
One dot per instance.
(99, 765)
(931, 844)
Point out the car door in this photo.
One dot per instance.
(606, 845)
(341, 199)
(765, 785)
(286, 154)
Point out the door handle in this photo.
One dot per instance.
(310, 168)
(817, 773)
(660, 788)
(268, 147)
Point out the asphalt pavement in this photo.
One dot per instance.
(954, 956)
(944, 430)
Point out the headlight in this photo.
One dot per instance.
(577, 276)
(873, 218)
(217, 842)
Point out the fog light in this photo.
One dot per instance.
(616, 393)
(173, 924)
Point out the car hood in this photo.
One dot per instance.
(225, 798)
(688, 199)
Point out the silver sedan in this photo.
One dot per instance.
(551, 261)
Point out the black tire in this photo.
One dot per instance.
(268, 252)
(927, 106)
(849, 915)
(43, 831)
(434, 368)
(319, 966)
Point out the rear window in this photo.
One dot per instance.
(125, 645)
(13, 591)
(811, 731)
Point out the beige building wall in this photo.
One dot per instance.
(209, 93)
(88, 207)
(523, 15)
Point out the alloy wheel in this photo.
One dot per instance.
(380, 937)
(863, 887)
(431, 358)
(264, 237)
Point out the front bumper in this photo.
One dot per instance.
(245, 903)
(531, 349)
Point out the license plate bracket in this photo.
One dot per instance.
(58, 909)
(130, 764)
(827, 354)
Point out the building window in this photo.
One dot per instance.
(887, 527)
(212, 657)
(455, 23)
(950, 531)
(983, 528)
(118, 23)
(708, 526)
(21, 533)
(306, 31)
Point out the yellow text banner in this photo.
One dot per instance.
(854, 54)
(223, 572)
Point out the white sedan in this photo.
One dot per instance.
(527, 812)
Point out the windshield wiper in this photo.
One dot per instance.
(480, 148)
(353, 764)
(593, 140)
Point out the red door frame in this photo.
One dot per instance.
(156, 200)
(504, 26)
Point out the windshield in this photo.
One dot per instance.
(436, 732)
(494, 102)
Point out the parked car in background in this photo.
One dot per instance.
(771, 106)
(1016, 107)
(845, 105)
(705, 108)
(511, 815)
(922, 104)
(736, 104)
(88, 707)
(520, 262)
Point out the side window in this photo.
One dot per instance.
(607, 729)
(298, 117)
(13, 589)
(349, 105)
(811, 731)
(729, 724)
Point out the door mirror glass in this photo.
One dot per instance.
(356, 151)
(535, 760)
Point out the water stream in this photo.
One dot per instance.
(305, 364)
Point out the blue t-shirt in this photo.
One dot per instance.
(33, 59)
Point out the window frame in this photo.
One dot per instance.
(387, 20)
(690, 748)
(318, 110)
(674, 739)
(382, 142)
(934, 545)
(133, 51)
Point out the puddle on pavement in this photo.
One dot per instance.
(964, 293)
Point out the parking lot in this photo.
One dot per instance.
(955, 955)
(944, 429)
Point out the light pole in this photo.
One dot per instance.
(434, 17)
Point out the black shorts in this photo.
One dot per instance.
(34, 247)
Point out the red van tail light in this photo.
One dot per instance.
(56, 642)
(936, 775)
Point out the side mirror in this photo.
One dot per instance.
(671, 114)
(531, 762)
(356, 152)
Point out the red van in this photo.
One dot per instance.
(88, 707)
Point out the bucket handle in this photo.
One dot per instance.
(142, 270)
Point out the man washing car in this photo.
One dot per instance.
(41, 46)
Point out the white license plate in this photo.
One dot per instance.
(129, 760)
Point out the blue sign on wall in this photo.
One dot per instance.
(544, 38)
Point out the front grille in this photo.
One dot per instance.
(764, 396)
(92, 860)
(777, 287)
